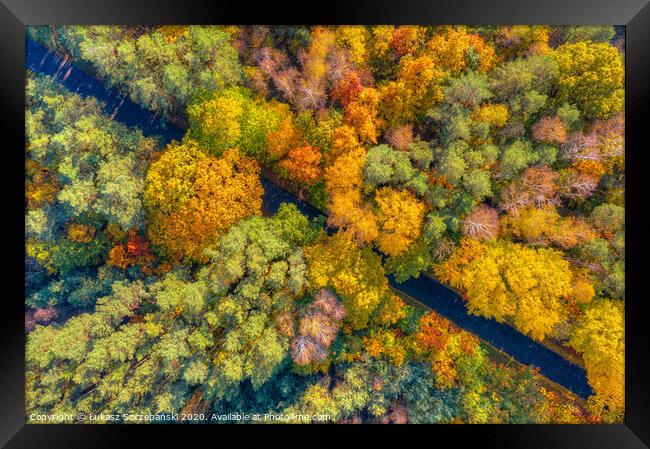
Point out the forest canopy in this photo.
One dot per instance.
(164, 276)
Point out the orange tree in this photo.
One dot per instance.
(192, 198)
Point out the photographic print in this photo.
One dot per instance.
(325, 224)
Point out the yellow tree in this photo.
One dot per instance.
(600, 336)
(531, 288)
(545, 226)
(591, 76)
(415, 90)
(216, 122)
(450, 49)
(234, 118)
(385, 343)
(353, 37)
(494, 114)
(315, 58)
(40, 186)
(355, 274)
(192, 198)
(400, 219)
(344, 140)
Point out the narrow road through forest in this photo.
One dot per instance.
(426, 290)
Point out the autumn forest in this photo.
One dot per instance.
(256, 260)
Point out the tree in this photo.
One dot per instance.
(158, 69)
(509, 282)
(233, 118)
(599, 336)
(516, 157)
(102, 350)
(148, 347)
(356, 275)
(193, 198)
(606, 262)
(346, 209)
(400, 220)
(550, 130)
(421, 154)
(369, 386)
(572, 34)
(494, 114)
(89, 162)
(362, 115)
(477, 183)
(524, 84)
(454, 50)
(134, 250)
(411, 262)
(156, 283)
(84, 175)
(522, 40)
(468, 90)
(482, 223)
(288, 136)
(545, 226)
(303, 164)
(591, 77)
(304, 350)
(570, 116)
(256, 271)
(317, 328)
(40, 187)
(343, 140)
(400, 137)
(598, 151)
(516, 77)
(347, 89)
(407, 39)
(386, 166)
(537, 187)
(415, 90)
(608, 218)
(575, 185)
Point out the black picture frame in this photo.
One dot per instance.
(15, 14)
